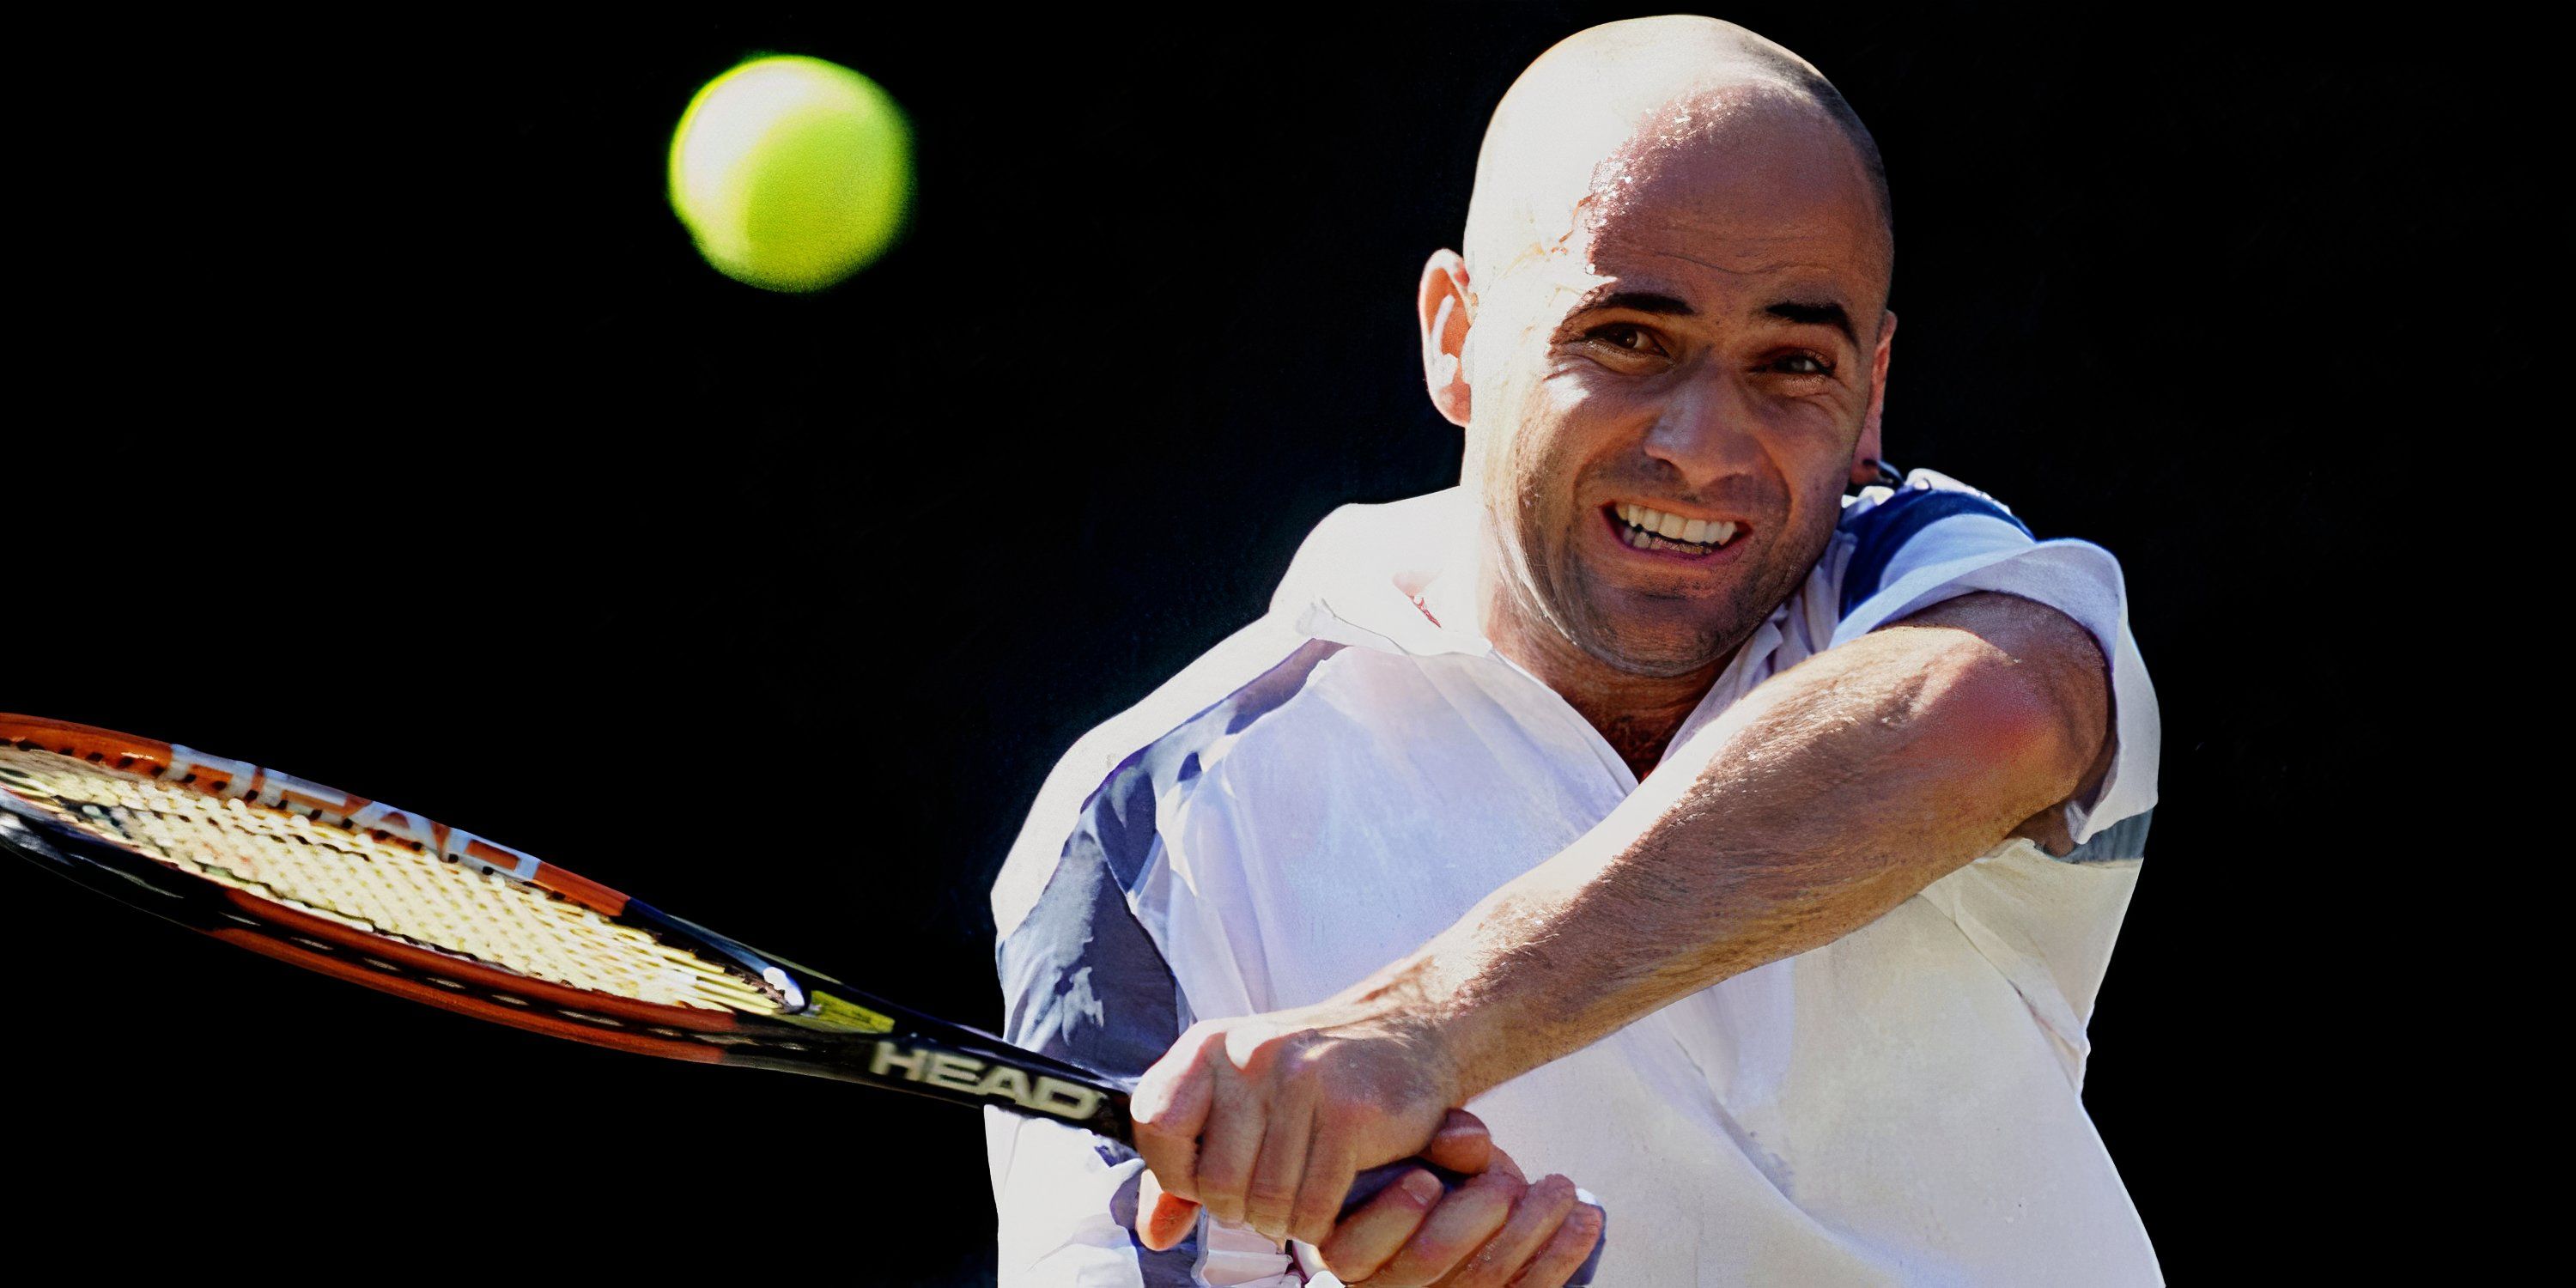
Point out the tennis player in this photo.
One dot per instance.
(1744, 850)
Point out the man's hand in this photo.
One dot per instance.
(1265, 1120)
(1498, 1229)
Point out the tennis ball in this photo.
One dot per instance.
(790, 172)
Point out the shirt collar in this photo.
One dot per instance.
(1394, 577)
(1368, 575)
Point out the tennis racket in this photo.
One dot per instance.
(359, 890)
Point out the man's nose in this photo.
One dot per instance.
(1705, 433)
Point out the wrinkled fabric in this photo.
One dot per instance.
(1343, 779)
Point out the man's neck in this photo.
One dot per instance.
(1636, 714)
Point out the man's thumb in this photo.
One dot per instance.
(1163, 1220)
(1461, 1144)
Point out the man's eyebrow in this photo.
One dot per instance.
(1802, 312)
(1636, 301)
(1809, 313)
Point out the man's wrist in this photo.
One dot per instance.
(1452, 1039)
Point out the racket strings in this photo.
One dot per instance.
(375, 883)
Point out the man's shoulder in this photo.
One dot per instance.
(1142, 754)
(1924, 498)
(1881, 523)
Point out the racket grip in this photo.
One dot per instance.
(1368, 1183)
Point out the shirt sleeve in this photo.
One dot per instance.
(1937, 538)
(1083, 981)
(1106, 956)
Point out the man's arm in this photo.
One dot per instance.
(1824, 798)
(1085, 979)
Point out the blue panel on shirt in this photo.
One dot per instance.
(2126, 839)
(1883, 529)
(1081, 978)
(1082, 981)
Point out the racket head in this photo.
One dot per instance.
(301, 873)
(362, 891)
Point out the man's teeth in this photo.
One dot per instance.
(1646, 526)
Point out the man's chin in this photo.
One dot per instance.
(1658, 654)
(1661, 636)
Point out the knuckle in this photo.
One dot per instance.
(1418, 1189)
(1317, 1215)
(1319, 1201)
(1216, 1177)
(1425, 1259)
(1311, 1227)
(1288, 1052)
(1269, 1196)
(1299, 1065)
(1488, 1266)
(1346, 1104)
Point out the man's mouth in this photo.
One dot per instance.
(1651, 529)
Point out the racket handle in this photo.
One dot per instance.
(1368, 1184)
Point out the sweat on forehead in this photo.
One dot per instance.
(1632, 105)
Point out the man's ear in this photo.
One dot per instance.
(1444, 306)
(1871, 449)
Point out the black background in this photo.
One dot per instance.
(381, 424)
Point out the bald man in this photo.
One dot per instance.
(1745, 850)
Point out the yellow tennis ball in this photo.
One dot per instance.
(790, 172)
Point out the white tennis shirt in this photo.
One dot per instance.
(1346, 777)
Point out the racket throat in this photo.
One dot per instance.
(1033, 1092)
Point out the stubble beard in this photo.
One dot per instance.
(1558, 591)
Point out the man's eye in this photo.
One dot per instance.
(1626, 335)
(1803, 364)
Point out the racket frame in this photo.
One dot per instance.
(824, 1028)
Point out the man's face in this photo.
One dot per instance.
(1697, 361)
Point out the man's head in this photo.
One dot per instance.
(1672, 297)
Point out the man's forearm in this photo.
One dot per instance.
(1823, 799)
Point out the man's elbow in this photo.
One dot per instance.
(2028, 734)
(2029, 709)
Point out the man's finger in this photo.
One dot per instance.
(1163, 1219)
(1228, 1146)
(1534, 1220)
(1461, 1224)
(1364, 1242)
(1461, 1144)
(1169, 1109)
(1329, 1175)
(1564, 1254)
(1272, 1192)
